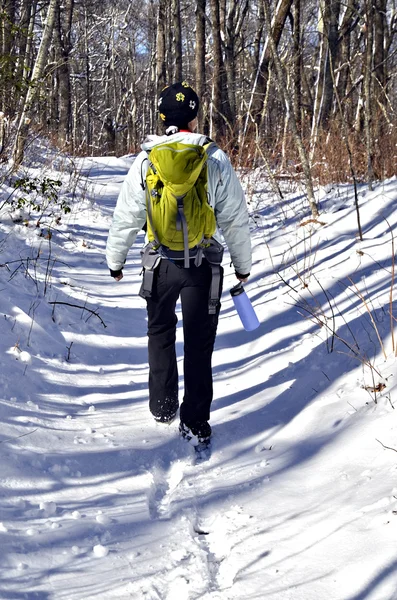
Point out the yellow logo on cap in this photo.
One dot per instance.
(162, 117)
(180, 97)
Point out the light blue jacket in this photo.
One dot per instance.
(225, 196)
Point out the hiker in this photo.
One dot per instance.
(193, 274)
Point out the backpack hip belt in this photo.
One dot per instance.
(151, 256)
(150, 259)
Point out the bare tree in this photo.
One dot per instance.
(38, 70)
(259, 87)
(8, 10)
(297, 63)
(343, 62)
(107, 61)
(235, 16)
(328, 31)
(63, 27)
(222, 117)
(161, 46)
(288, 103)
(369, 14)
(380, 75)
(200, 68)
(177, 35)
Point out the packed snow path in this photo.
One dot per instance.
(298, 499)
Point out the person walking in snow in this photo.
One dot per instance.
(192, 277)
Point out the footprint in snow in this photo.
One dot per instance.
(163, 487)
(217, 536)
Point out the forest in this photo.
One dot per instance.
(297, 497)
(305, 88)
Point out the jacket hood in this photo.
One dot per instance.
(182, 136)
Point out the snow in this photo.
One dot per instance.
(298, 500)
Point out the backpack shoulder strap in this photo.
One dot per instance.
(143, 182)
(149, 208)
(209, 145)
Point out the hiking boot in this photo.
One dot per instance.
(167, 411)
(199, 433)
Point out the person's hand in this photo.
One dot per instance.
(117, 275)
(242, 278)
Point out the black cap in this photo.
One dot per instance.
(178, 105)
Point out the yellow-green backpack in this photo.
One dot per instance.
(180, 218)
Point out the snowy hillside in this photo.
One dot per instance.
(298, 500)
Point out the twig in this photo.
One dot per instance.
(363, 300)
(332, 313)
(69, 349)
(48, 271)
(20, 260)
(387, 447)
(316, 221)
(394, 348)
(82, 308)
(17, 436)
(273, 181)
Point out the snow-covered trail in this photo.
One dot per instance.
(297, 500)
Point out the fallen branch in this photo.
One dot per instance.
(18, 436)
(373, 389)
(308, 221)
(387, 447)
(93, 312)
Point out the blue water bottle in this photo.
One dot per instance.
(244, 308)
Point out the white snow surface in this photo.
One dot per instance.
(298, 500)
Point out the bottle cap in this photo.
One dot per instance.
(237, 290)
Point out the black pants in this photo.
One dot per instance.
(199, 331)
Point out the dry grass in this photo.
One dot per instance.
(331, 160)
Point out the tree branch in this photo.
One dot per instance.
(93, 312)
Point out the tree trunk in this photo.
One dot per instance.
(38, 69)
(28, 9)
(297, 64)
(177, 33)
(332, 34)
(230, 64)
(200, 66)
(7, 68)
(150, 120)
(88, 124)
(161, 47)
(2, 132)
(288, 102)
(258, 36)
(350, 21)
(260, 86)
(328, 31)
(369, 13)
(380, 27)
(110, 130)
(63, 29)
(235, 18)
(380, 66)
(324, 85)
(28, 60)
(221, 108)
